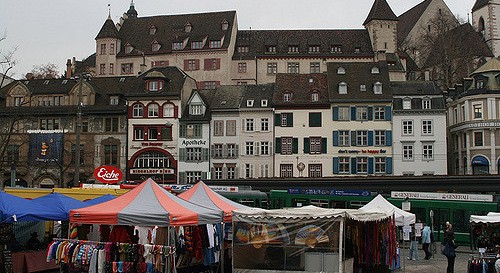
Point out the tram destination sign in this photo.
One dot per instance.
(443, 196)
(329, 192)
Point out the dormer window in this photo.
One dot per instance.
(225, 25)
(271, 49)
(249, 103)
(155, 46)
(406, 103)
(215, 44)
(293, 49)
(46, 82)
(195, 110)
(263, 103)
(177, 45)
(314, 48)
(197, 45)
(377, 88)
(64, 82)
(152, 30)
(362, 88)
(479, 84)
(154, 85)
(113, 100)
(315, 96)
(342, 88)
(426, 103)
(357, 49)
(341, 70)
(287, 97)
(128, 48)
(375, 70)
(188, 27)
(243, 49)
(336, 49)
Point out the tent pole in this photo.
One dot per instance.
(222, 250)
(341, 242)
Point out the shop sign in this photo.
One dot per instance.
(443, 196)
(328, 192)
(476, 125)
(100, 186)
(367, 151)
(179, 188)
(194, 142)
(151, 171)
(108, 174)
(151, 144)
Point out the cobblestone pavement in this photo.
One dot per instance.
(436, 264)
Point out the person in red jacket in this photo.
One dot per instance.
(119, 234)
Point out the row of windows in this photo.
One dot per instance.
(288, 96)
(103, 49)
(361, 113)
(290, 145)
(407, 127)
(426, 103)
(153, 110)
(296, 49)
(362, 165)
(427, 151)
(208, 64)
(477, 112)
(347, 138)
(153, 132)
(230, 171)
(343, 88)
(286, 120)
(110, 124)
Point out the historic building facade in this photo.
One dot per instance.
(419, 141)
(485, 16)
(473, 130)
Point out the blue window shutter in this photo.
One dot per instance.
(295, 145)
(278, 145)
(335, 138)
(324, 143)
(370, 138)
(306, 145)
(353, 113)
(335, 113)
(388, 113)
(354, 165)
(388, 138)
(335, 165)
(277, 120)
(370, 165)
(388, 165)
(353, 138)
(370, 113)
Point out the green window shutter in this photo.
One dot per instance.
(314, 119)
(204, 175)
(354, 165)
(182, 131)
(182, 154)
(323, 145)
(289, 120)
(277, 120)
(204, 154)
(278, 145)
(295, 145)
(370, 113)
(306, 145)
(353, 138)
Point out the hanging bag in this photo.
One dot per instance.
(448, 250)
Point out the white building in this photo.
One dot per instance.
(419, 138)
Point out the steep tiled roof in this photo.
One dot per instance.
(357, 74)
(462, 40)
(301, 86)
(227, 97)
(408, 19)
(174, 82)
(257, 40)
(415, 88)
(380, 11)
(170, 28)
(257, 93)
(108, 30)
(186, 116)
(479, 4)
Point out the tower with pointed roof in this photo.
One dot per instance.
(382, 25)
(107, 46)
(131, 13)
(485, 16)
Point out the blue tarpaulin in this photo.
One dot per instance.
(101, 199)
(60, 204)
(24, 210)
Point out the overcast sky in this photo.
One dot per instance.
(55, 30)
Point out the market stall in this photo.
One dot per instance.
(311, 239)
(61, 204)
(401, 217)
(485, 236)
(100, 199)
(148, 206)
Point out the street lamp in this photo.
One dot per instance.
(78, 127)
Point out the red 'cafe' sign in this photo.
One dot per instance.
(108, 174)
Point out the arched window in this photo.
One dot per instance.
(153, 110)
(341, 70)
(188, 27)
(480, 26)
(137, 111)
(153, 159)
(406, 103)
(342, 88)
(377, 88)
(168, 110)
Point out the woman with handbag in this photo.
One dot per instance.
(449, 248)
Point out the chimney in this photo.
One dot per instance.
(29, 76)
(68, 69)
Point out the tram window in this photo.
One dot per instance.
(263, 203)
(358, 204)
(420, 214)
(247, 202)
(480, 212)
(323, 203)
(299, 202)
(461, 220)
(338, 204)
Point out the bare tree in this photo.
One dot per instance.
(45, 70)
(7, 61)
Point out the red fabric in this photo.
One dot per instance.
(32, 262)
(197, 243)
(119, 234)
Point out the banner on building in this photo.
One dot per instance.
(46, 149)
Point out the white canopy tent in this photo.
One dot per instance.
(380, 204)
(492, 217)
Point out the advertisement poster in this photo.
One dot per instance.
(406, 233)
(418, 229)
(46, 148)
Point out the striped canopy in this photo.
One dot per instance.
(202, 195)
(147, 205)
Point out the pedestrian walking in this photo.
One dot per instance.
(426, 241)
(413, 255)
(449, 248)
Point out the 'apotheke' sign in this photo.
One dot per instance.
(443, 196)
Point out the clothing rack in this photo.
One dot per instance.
(483, 256)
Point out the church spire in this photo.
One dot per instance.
(132, 13)
(381, 11)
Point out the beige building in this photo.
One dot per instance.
(473, 127)
(485, 16)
